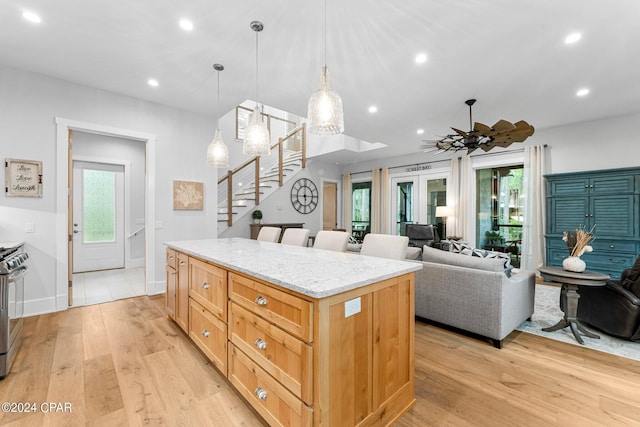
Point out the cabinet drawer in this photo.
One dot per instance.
(171, 258)
(284, 357)
(609, 260)
(601, 245)
(209, 333)
(289, 312)
(274, 402)
(208, 286)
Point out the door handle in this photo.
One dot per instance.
(76, 231)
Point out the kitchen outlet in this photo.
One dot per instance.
(352, 307)
(29, 227)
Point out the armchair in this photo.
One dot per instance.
(422, 234)
(615, 307)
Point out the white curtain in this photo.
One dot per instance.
(346, 202)
(375, 201)
(458, 194)
(534, 208)
(385, 208)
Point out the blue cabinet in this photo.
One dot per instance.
(608, 200)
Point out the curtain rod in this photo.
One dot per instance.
(517, 150)
(401, 166)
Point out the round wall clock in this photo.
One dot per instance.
(304, 195)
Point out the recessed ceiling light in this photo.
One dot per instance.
(582, 92)
(31, 17)
(186, 25)
(420, 131)
(421, 58)
(572, 38)
(153, 82)
(373, 109)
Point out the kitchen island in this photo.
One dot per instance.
(307, 336)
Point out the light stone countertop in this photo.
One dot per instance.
(313, 272)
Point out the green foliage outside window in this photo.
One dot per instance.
(99, 192)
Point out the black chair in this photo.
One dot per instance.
(422, 234)
(615, 307)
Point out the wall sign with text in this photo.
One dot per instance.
(23, 178)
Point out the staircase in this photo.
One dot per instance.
(259, 177)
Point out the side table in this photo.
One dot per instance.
(570, 297)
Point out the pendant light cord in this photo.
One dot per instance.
(218, 107)
(257, 97)
(325, 33)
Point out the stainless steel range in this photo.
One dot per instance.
(13, 268)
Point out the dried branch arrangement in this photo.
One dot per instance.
(578, 241)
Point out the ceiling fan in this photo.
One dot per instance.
(502, 134)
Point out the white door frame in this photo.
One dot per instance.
(127, 197)
(63, 126)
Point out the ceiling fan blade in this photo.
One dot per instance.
(482, 129)
(503, 126)
(461, 132)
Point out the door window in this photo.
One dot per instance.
(99, 192)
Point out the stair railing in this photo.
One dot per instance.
(297, 133)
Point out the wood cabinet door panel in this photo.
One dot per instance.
(170, 295)
(289, 312)
(210, 334)
(182, 292)
(208, 286)
(171, 258)
(273, 401)
(614, 216)
(569, 213)
(286, 358)
(612, 184)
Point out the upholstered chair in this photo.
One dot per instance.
(385, 246)
(295, 236)
(615, 307)
(421, 234)
(331, 240)
(269, 234)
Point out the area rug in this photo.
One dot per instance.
(547, 313)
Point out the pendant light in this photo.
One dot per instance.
(325, 105)
(217, 152)
(256, 135)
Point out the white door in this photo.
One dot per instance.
(98, 216)
(403, 202)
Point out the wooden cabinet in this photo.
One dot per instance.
(346, 359)
(608, 200)
(182, 292)
(172, 281)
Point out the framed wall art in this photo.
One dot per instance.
(188, 195)
(23, 178)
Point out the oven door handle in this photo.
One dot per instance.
(16, 274)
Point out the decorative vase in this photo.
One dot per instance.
(574, 263)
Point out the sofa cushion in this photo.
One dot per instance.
(465, 249)
(443, 257)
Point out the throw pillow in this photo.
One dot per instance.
(633, 276)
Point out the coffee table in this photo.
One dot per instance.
(570, 297)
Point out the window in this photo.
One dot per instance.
(500, 208)
(436, 196)
(99, 206)
(404, 208)
(361, 209)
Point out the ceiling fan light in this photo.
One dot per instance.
(256, 140)
(325, 111)
(217, 152)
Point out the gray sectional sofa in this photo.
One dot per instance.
(473, 294)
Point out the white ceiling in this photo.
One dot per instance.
(510, 55)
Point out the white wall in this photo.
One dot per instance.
(29, 104)
(277, 208)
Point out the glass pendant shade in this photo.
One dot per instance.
(325, 109)
(256, 136)
(217, 152)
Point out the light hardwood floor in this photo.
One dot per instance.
(124, 363)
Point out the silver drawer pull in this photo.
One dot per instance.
(205, 285)
(205, 333)
(260, 393)
(261, 300)
(260, 344)
(612, 246)
(181, 262)
(170, 256)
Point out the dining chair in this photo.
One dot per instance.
(269, 234)
(295, 236)
(385, 246)
(331, 240)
